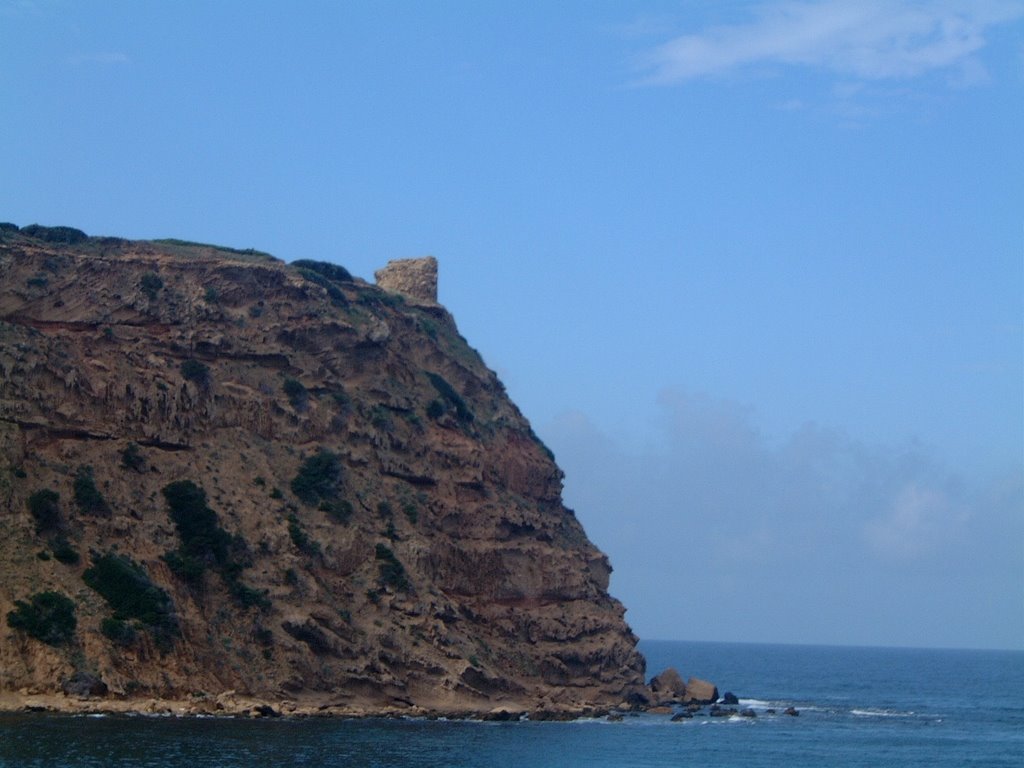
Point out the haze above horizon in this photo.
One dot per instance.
(753, 270)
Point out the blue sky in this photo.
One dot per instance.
(754, 270)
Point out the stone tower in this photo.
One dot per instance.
(413, 278)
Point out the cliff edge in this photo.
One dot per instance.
(223, 476)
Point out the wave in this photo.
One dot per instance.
(873, 712)
(761, 704)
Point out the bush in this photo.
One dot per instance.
(380, 417)
(296, 392)
(196, 372)
(392, 572)
(151, 285)
(118, 632)
(333, 291)
(128, 590)
(300, 538)
(319, 478)
(87, 496)
(45, 508)
(326, 269)
(47, 616)
(132, 458)
(187, 568)
(64, 553)
(201, 536)
(436, 409)
(68, 235)
(205, 543)
(212, 295)
(411, 512)
(248, 597)
(340, 510)
(447, 391)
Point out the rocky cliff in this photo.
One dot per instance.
(222, 473)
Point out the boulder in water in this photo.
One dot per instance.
(669, 684)
(700, 691)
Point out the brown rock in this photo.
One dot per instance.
(429, 539)
(84, 684)
(700, 691)
(668, 685)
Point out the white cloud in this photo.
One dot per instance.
(917, 520)
(866, 40)
(715, 530)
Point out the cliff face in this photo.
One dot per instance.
(237, 474)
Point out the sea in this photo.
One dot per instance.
(857, 707)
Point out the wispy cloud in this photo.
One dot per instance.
(864, 40)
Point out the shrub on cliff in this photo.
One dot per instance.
(63, 552)
(68, 235)
(201, 536)
(319, 478)
(339, 510)
(119, 632)
(325, 269)
(450, 396)
(296, 393)
(334, 292)
(87, 496)
(392, 572)
(128, 590)
(300, 538)
(47, 616)
(205, 544)
(132, 458)
(44, 505)
(196, 372)
(151, 285)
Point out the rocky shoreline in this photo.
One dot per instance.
(669, 696)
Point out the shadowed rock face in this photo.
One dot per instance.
(364, 520)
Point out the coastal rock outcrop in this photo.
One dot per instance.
(700, 691)
(668, 686)
(222, 473)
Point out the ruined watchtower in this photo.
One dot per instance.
(415, 279)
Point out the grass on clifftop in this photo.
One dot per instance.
(189, 248)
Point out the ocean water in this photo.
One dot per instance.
(858, 707)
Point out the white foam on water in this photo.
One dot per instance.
(880, 713)
(760, 704)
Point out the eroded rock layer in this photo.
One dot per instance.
(280, 481)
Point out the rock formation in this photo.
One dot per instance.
(222, 477)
